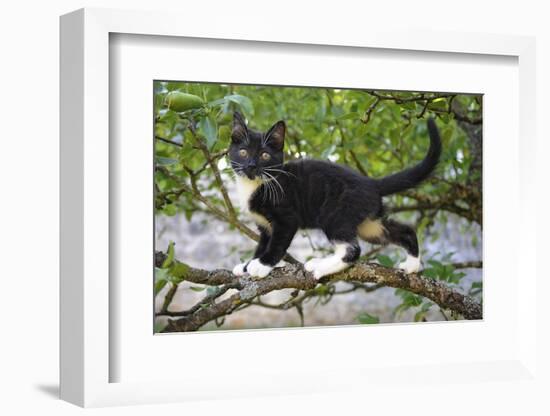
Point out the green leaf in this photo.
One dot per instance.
(431, 273)
(337, 110)
(414, 301)
(418, 316)
(170, 210)
(159, 285)
(243, 102)
(449, 256)
(170, 257)
(426, 306)
(220, 101)
(322, 290)
(166, 161)
(197, 288)
(348, 116)
(445, 117)
(188, 214)
(447, 134)
(162, 130)
(435, 263)
(159, 327)
(173, 86)
(178, 271)
(209, 129)
(365, 318)
(161, 278)
(161, 274)
(159, 99)
(409, 298)
(455, 277)
(439, 104)
(385, 261)
(169, 118)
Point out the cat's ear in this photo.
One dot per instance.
(275, 137)
(239, 131)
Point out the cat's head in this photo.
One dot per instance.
(253, 153)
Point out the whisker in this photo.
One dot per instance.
(280, 171)
(275, 193)
(276, 182)
(269, 187)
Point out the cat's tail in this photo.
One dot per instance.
(411, 177)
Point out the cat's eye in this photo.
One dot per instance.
(265, 156)
(243, 153)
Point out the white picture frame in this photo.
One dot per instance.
(86, 357)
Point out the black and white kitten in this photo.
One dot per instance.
(305, 194)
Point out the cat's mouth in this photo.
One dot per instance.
(251, 176)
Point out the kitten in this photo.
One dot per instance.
(285, 197)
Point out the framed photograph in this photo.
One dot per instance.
(310, 176)
(278, 200)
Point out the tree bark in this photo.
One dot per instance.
(295, 277)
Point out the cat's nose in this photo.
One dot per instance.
(251, 169)
(251, 172)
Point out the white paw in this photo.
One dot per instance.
(328, 265)
(282, 263)
(324, 268)
(312, 264)
(318, 273)
(238, 270)
(410, 265)
(256, 268)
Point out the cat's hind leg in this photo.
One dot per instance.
(384, 231)
(345, 254)
(404, 235)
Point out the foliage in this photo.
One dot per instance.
(375, 132)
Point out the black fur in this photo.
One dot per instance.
(411, 177)
(320, 194)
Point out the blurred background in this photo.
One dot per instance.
(374, 132)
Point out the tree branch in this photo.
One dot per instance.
(294, 276)
(212, 162)
(468, 265)
(194, 190)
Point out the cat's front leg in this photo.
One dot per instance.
(257, 269)
(281, 237)
(242, 268)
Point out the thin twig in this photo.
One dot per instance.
(162, 139)
(212, 162)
